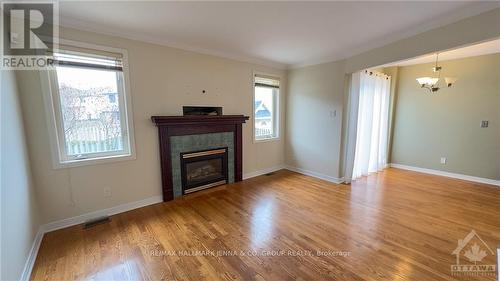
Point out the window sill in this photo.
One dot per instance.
(94, 161)
(266, 140)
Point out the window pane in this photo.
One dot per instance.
(264, 112)
(90, 110)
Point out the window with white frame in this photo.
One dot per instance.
(88, 100)
(266, 107)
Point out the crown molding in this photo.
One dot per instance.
(89, 27)
(471, 11)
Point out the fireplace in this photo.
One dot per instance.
(203, 169)
(179, 134)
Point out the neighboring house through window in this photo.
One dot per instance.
(88, 100)
(266, 107)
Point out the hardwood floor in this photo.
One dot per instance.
(396, 225)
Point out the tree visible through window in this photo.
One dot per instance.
(91, 122)
(266, 91)
(89, 106)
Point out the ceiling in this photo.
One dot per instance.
(485, 48)
(282, 34)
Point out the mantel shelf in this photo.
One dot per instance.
(198, 119)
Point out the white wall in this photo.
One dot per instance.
(162, 80)
(326, 85)
(19, 212)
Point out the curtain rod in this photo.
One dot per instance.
(371, 72)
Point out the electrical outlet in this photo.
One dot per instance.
(484, 124)
(443, 160)
(107, 191)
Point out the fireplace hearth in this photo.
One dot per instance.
(203, 169)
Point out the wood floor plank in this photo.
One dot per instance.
(394, 225)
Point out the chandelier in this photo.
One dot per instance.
(432, 83)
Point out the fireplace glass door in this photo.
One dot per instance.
(203, 169)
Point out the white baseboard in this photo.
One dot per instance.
(315, 174)
(101, 213)
(263, 171)
(30, 261)
(446, 174)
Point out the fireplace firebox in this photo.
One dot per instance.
(203, 169)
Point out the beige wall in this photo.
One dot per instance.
(19, 211)
(314, 118)
(162, 79)
(447, 124)
(330, 79)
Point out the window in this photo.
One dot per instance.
(266, 107)
(88, 104)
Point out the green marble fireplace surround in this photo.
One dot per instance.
(189, 143)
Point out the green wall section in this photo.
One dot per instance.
(190, 143)
(447, 124)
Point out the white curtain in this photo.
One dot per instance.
(372, 124)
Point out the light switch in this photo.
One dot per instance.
(14, 37)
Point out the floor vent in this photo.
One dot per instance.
(269, 174)
(95, 222)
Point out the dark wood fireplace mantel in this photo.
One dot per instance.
(191, 125)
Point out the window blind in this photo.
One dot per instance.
(86, 58)
(266, 81)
